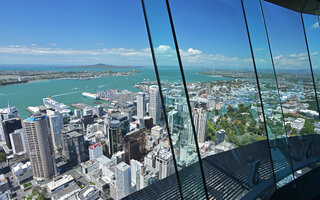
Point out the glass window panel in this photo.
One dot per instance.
(178, 117)
(222, 88)
(278, 143)
(311, 25)
(295, 82)
(53, 49)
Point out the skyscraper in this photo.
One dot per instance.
(164, 163)
(39, 146)
(134, 145)
(9, 126)
(56, 123)
(123, 180)
(18, 141)
(200, 123)
(154, 104)
(95, 151)
(114, 137)
(74, 147)
(141, 105)
(6, 113)
(135, 167)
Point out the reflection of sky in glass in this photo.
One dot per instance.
(313, 35)
(286, 37)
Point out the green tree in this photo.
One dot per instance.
(3, 156)
(41, 197)
(308, 127)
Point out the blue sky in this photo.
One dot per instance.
(210, 33)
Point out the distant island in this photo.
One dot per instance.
(98, 66)
(9, 77)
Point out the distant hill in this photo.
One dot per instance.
(99, 66)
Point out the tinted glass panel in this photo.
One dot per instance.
(295, 82)
(175, 102)
(279, 148)
(225, 101)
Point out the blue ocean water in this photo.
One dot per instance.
(69, 91)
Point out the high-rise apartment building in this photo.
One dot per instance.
(154, 104)
(141, 105)
(39, 145)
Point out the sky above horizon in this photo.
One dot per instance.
(74, 32)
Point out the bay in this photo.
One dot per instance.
(69, 91)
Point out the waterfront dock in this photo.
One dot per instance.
(80, 106)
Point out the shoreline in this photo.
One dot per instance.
(126, 74)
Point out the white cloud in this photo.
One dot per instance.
(17, 49)
(166, 55)
(315, 25)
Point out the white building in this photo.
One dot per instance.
(77, 113)
(164, 163)
(87, 111)
(22, 172)
(141, 105)
(18, 141)
(135, 167)
(154, 104)
(200, 123)
(298, 123)
(156, 131)
(123, 180)
(60, 183)
(95, 151)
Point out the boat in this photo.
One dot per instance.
(90, 95)
(61, 107)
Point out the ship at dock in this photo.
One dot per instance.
(60, 107)
(90, 95)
